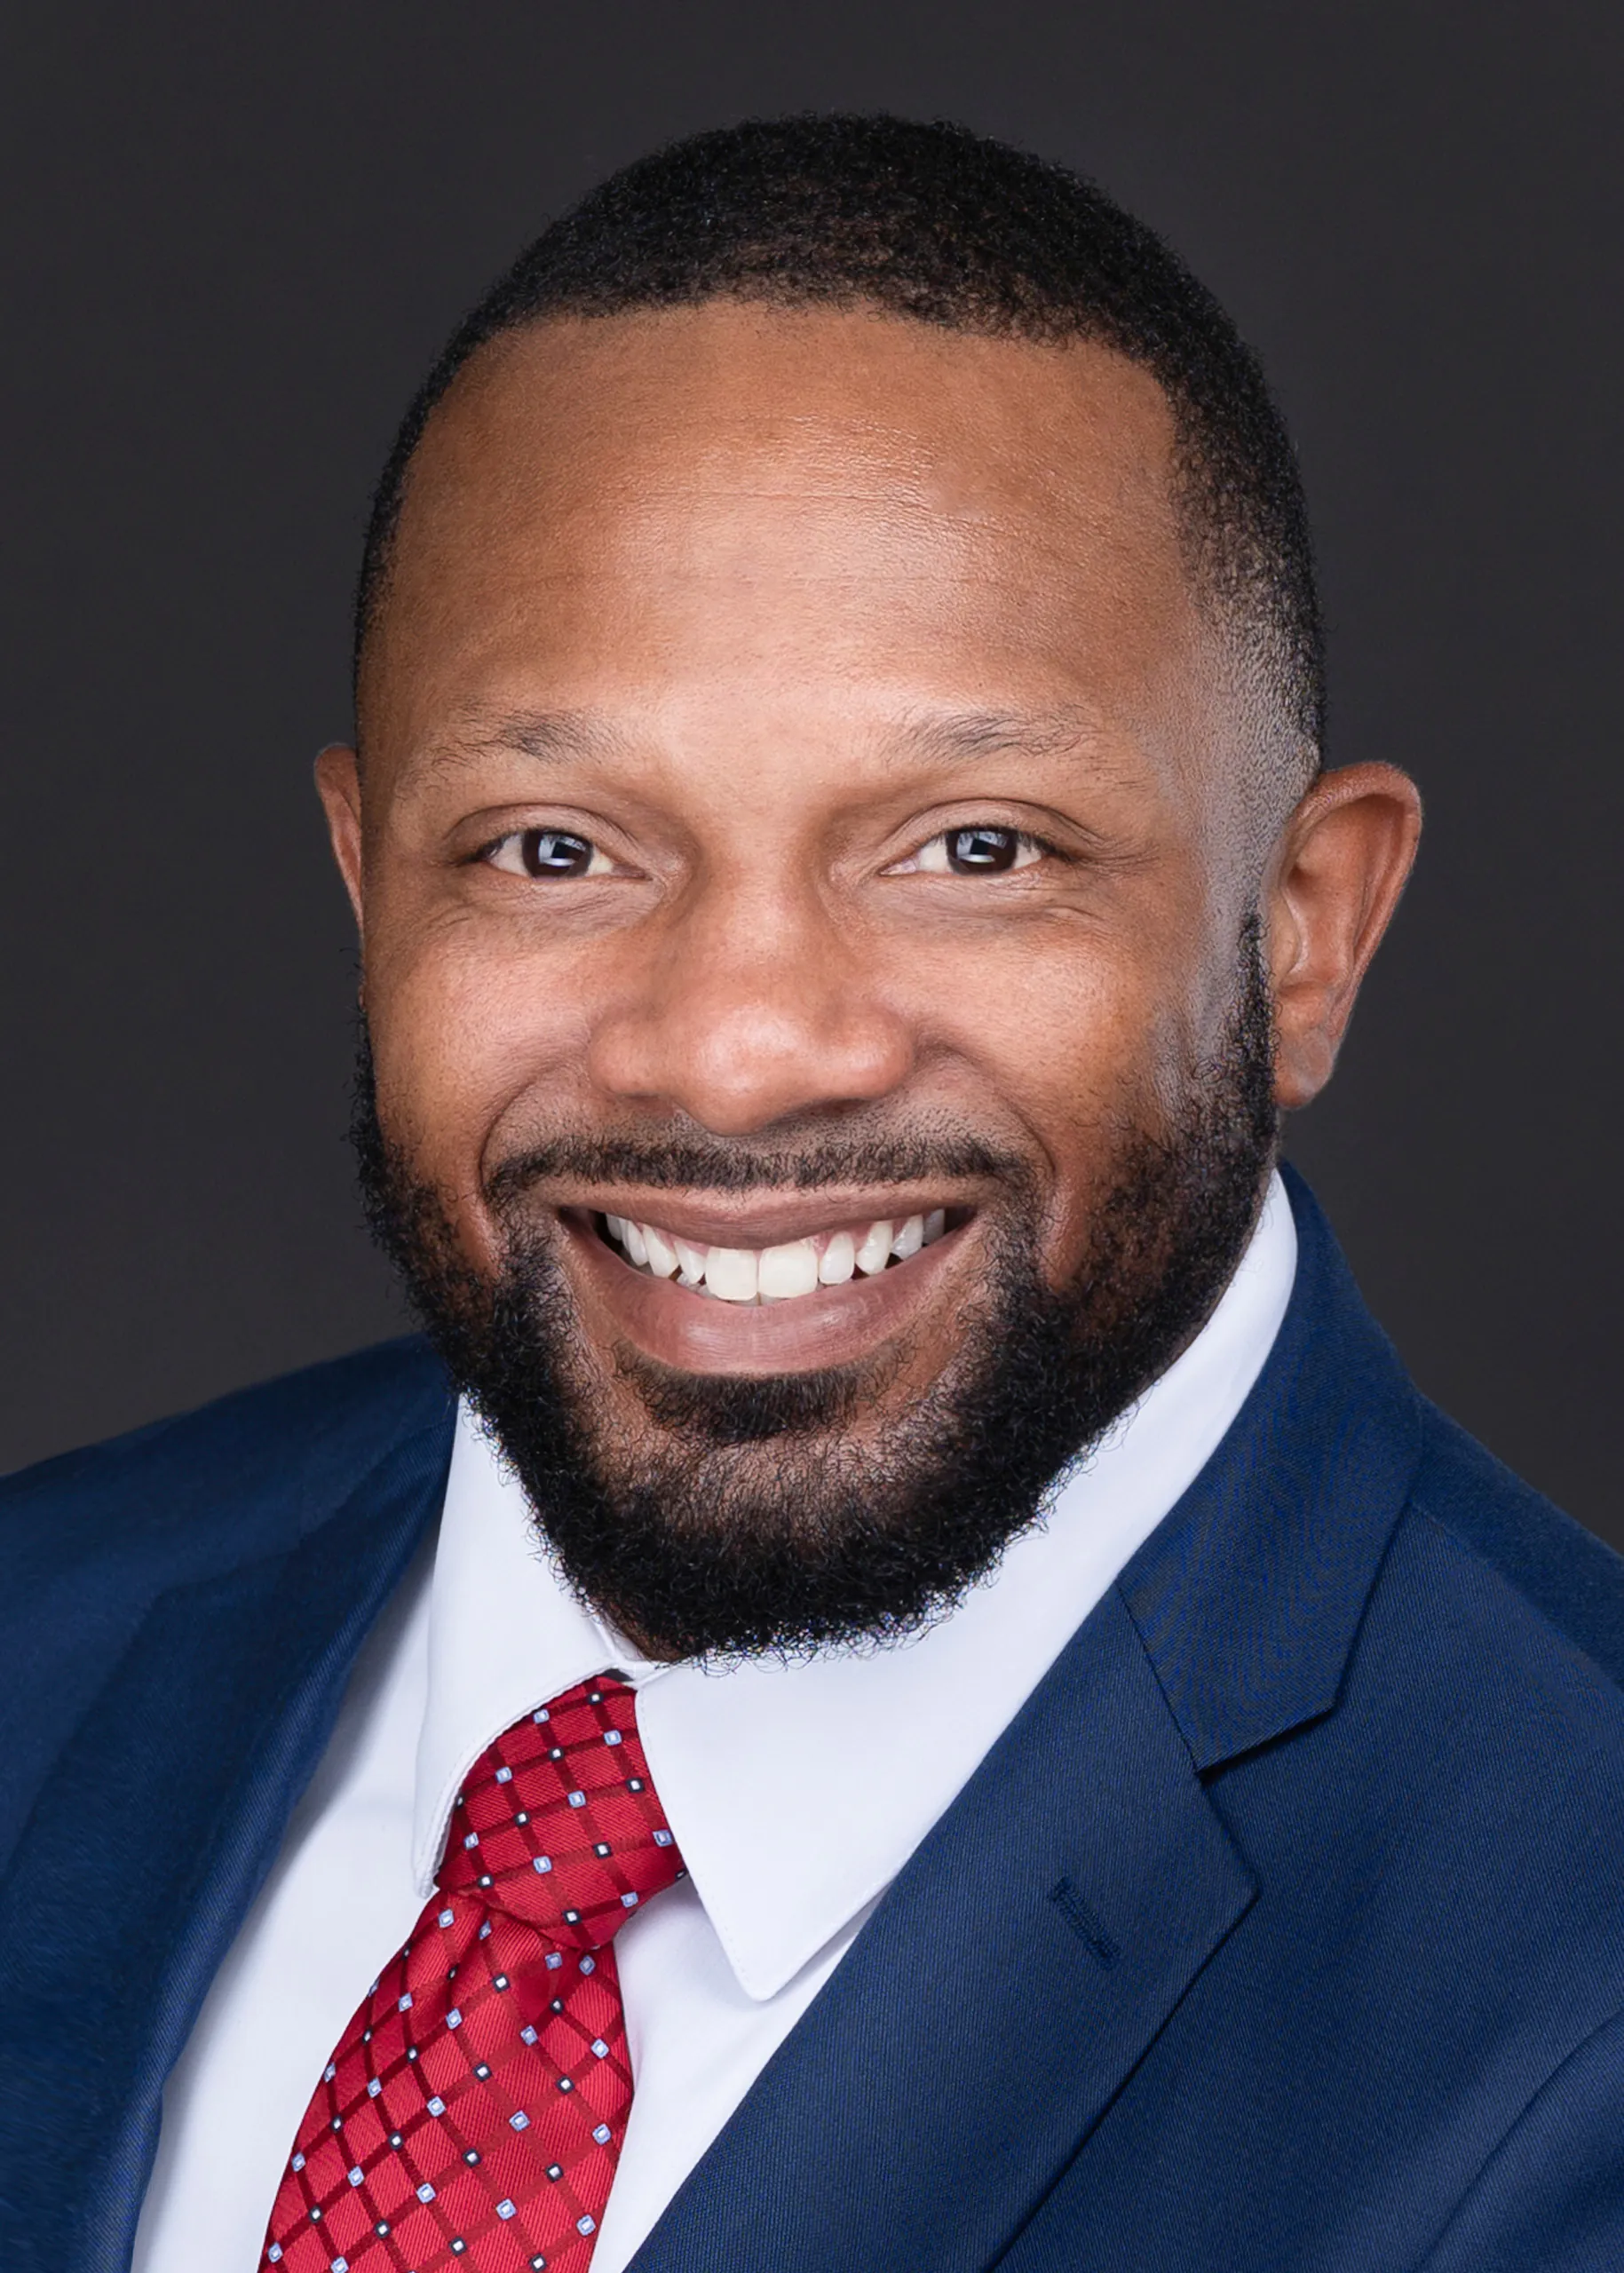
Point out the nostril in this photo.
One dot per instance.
(736, 1061)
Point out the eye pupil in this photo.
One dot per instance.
(550, 852)
(976, 851)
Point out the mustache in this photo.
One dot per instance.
(703, 1163)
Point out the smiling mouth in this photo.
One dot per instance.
(783, 1273)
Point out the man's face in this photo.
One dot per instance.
(801, 817)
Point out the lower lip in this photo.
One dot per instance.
(699, 1334)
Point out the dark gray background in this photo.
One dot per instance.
(232, 238)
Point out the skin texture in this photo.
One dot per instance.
(761, 603)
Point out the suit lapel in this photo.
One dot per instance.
(1248, 1597)
(982, 2021)
(151, 1840)
(1024, 1960)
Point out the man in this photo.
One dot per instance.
(939, 1700)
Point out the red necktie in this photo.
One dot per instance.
(472, 2114)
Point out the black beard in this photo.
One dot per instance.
(760, 1521)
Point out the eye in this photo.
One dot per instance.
(548, 852)
(977, 851)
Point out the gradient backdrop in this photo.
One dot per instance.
(232, 238)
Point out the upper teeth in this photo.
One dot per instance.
(775, 1274)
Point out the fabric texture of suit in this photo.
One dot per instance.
(1284, 1927)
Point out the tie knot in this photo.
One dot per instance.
(558, 1822)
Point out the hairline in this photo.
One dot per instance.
(1196, 517)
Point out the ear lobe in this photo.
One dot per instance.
(339, 787)
(1338, 873)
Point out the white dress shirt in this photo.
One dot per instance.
(796, 1791)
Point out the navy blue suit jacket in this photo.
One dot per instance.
(1284, 1929)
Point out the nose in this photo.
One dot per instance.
(750, 1009)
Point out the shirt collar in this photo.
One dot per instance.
(796, 1791)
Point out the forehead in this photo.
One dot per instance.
(686, 505)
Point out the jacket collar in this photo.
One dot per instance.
(1248, 1597)
(1026, 1957)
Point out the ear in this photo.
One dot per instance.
(1338, 871)
(339, 787)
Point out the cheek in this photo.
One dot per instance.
(1085, 1044)
(468, 1030)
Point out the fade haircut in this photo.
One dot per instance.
(940, 226)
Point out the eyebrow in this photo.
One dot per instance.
(960, 736)
(545, 735)
(950, 738)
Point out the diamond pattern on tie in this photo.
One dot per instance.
(472, 2114)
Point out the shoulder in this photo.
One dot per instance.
(1497, 1635)
(242, 1476)
(1485, 1696)
(92, 1542)
(1492, 1648)
(1554, 1591)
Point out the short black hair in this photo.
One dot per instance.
(941, 226)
